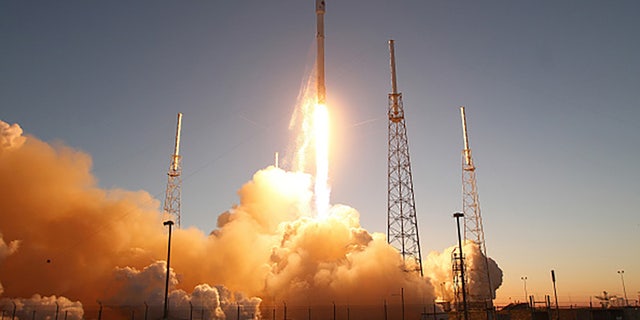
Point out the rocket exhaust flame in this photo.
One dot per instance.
(310, 123)
(321, 130)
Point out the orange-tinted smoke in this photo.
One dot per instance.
(70, 238)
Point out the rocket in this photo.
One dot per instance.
(321, 90)
(176, 151)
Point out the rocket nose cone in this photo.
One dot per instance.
(320, 6)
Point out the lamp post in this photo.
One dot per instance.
(334, 310)
(458, 215)
(385, 309)
(624, 289)
(402, 298)
(555, 293)
(526, 296)
(166, 284)
(401, 301)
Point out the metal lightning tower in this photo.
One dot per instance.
(174, 181)
(473, 230)
(402, 223)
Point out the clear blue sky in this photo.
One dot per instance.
(551, 91)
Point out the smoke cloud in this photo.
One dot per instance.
(62, 236)
(10, 136)
(439, 270)
(146, 287)
(64, 240)
(5, 251)
(44, 307)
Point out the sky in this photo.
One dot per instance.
(550, 90)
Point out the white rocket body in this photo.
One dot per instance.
(320, 10)
(176, 150)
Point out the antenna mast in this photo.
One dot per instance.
(402, 223)
(174, 181)
(473, 229)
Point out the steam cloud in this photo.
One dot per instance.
(438, 268)
(46, 307)
(64, 240)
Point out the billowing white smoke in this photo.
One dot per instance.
(10, 136)
(7, 249)
(146, 287)
(438, 268)
(331, 259)
(335, 259)
(51, 307)
(137, 287)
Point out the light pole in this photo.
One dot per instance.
(402, 297)
(334, 310)
(385, 309)
(459, 215)
(401, 300)
(555, 293)
(526, 296)
(166, 284)
(624, 289)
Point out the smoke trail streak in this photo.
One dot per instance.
(301, 126)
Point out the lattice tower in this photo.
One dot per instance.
(402, 223)
(457, 266)
(473, 229)
(174, 181)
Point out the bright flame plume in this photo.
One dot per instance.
(321, 135)
(310, 123)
